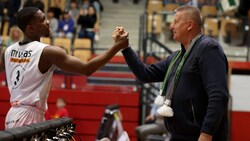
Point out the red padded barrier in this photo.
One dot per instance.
(87, 108)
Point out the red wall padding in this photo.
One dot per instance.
(87, 108)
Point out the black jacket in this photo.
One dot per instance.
(87, 21)
(201, 96)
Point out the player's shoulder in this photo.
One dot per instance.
(53, 50)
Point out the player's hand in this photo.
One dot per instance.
(119, 33)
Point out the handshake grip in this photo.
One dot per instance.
(119, 34)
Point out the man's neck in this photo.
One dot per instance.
(25, 41)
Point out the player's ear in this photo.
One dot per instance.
(29, 28)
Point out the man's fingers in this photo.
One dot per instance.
(119, 29)
(120, 34)
(125, 35)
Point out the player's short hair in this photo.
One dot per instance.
(25, 16)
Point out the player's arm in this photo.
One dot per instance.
(57, 56)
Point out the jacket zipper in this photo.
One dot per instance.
(169, 127)
(192, 106)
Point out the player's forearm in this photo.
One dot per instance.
(100, 60)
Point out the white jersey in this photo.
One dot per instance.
(26, 84)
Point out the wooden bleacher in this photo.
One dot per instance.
(209, 11)
(211, 27)
(156, 25)
(63, 42)
(46, 40)
(82, 48)
(154, 6)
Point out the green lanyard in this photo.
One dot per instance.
(178, 70)
(170, 68)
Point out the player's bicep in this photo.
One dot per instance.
(58, 57)
(72, 64)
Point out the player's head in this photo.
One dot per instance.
(32, 21)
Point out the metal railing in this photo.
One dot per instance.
(53, 130)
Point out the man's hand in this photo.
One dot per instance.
(120, 37)
(205, 137)
(119, 34)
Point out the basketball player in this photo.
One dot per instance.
(29, 66)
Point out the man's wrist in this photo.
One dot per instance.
(125, 48)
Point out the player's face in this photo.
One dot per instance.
(42, 24)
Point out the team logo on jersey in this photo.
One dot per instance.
(20, 57)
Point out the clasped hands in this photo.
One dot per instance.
(120, 36)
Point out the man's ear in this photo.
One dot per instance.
(190, 25)
(29, 28)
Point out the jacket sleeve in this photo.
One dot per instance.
(214, 68)
(144, 72)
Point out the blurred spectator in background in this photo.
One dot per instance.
(56, 6)
(74, 11)
(13, 7)
(61, 109)
(168, 2)
(84, 4)
(53, 23)
(215, 3)
(14, 36)
(98, 7)
(4, 15)
(67, 4)
(2, 4)
(184, 2)
(86, 21)
(66, 26)
(242, 13)
(154, 125)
